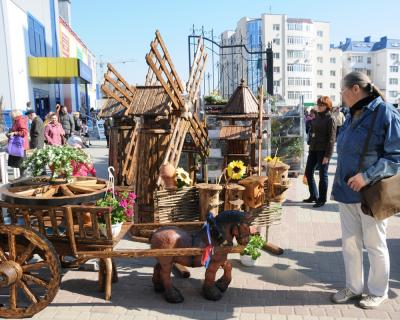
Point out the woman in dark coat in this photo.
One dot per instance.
(322, 141)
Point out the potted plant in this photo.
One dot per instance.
(60, 160)
(252, 251)
(122, 206)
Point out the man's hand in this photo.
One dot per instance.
(325, 160)
(357, 182)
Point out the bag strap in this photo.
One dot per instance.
(366, 143)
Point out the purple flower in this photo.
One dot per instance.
(132, 196)
(123, 203)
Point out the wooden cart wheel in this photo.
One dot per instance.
(41, 191)
(29, 272)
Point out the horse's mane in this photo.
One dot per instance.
(230, 216)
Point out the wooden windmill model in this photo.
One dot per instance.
(164, 122)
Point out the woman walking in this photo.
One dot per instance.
(322, 140)
(18, 129)
(382, 159)
(54, 132)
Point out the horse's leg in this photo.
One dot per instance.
(171, 293)
(210, 291)
(223, 282)
(157, 283)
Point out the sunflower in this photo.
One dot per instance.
(182, 178)
(274, 159)
(236, 170)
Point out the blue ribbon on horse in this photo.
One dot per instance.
(208, 250)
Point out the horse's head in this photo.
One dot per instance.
(232, 224)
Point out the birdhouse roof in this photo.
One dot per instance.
(242, 101)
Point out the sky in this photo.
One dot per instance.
(121, 30)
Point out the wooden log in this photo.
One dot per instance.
(181, 270)
(208, 199)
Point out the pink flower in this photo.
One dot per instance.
(129, 212)
(132, 196)
(123, 203)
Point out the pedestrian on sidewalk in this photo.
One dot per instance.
(53, 132)
(381, 160)
(339, 118)
(18, 129)
(322, 141)
(36, 131)
(67, 122)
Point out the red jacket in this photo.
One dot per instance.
(20, 127)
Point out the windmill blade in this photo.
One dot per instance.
(197, 71)
(116, 87)
(151, 79)
(161, 64)
(199, 135)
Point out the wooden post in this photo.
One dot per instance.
(208, 198)
(233, 196)
(260, 117)
(252, 145)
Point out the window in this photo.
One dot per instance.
(277, 69)
(319, 85)
(297, 94)
(320, 72)
(393, 94)
(320, 46)
(359, 69)
(394, 56)
(298, 40)
(393, 81)
(302, 54)
(369, 60)
(297, 81)
(277, 83)
(276, 55)
(320, 59)
(333, 98)
(299, 67)
(368, 72)
(295, 26)
(332, 85)
(333, 73)
(276, 27)
(37, 40)
(332, 60)
(394, 69)
(320, 33)
(357, 59)
(277, 41)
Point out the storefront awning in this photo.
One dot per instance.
(59, 69)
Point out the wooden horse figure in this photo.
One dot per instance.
(222, 230)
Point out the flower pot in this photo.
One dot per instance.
(247, 261)
(115, 229)
(167, 173)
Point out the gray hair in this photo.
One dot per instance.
(364, 82)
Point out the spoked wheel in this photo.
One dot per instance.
(29, 272)
(42, 191)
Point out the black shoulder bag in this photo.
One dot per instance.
(380, 199)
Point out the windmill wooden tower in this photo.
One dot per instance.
(165, 123)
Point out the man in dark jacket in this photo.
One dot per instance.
(67, 122)
(36, 131)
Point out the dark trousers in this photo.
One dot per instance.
(338, 131)
(314, 161)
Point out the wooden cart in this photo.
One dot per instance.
(36, 236)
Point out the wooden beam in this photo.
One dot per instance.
(118, 88)
(120, 78)
(110, 93)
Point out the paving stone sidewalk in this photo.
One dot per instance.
(295, 285)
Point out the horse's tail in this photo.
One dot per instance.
(151, 235)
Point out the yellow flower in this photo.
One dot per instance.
(236, 170)
(183, 177)
(274, 159)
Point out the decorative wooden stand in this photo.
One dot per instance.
(254, 194)
(234, 196)
(209, 199)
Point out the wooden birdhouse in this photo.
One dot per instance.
(278, 181)
(254, 194)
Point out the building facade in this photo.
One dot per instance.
(304, 64)
(33, 65)
(379, 60)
